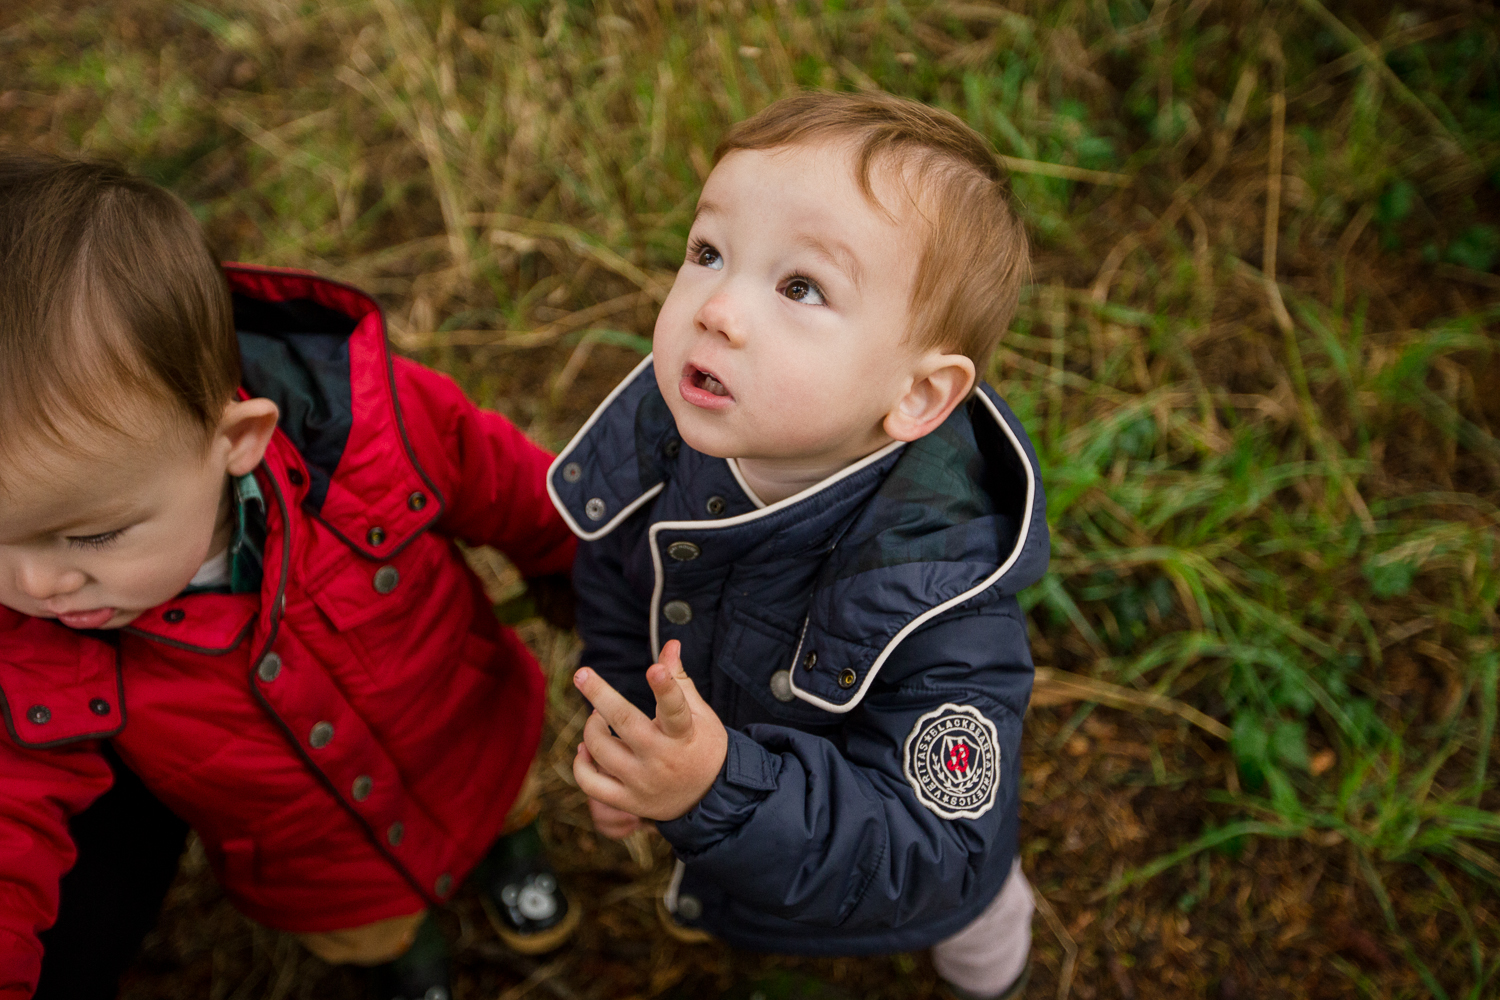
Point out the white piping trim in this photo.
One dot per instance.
(669, 898)
(739, 477)
(917, 622)
(731, 522)
(630, 508)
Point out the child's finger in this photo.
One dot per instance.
(674, 715)
(628, 722)
(610, 754)
(596, 784)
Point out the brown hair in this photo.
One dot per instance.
(975, 258)
(108, 292)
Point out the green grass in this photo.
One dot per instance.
(1271, 467)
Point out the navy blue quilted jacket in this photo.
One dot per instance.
(862, 643)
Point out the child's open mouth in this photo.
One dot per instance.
(703, 388)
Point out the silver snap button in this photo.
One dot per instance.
(536, 902)
(847, 677)
(39, 715)
(781, 685)
(594, 509)
(689, 908)
(672, 447)
(363, 786)
(269, 668)
(683, 551)
(572, 472)
(715, 505)
(444, 884)
(386, 578)
(320, 736)
(810, 660)
(678, 612)
(395, 833)
(99, 706)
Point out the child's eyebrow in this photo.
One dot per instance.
(836, 254)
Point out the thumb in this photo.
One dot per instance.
(674, 714)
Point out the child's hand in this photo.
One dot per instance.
(616, 824)
(655, 768)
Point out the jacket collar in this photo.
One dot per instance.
(930, 525)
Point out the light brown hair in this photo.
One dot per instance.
(108, 295)
(975, 256)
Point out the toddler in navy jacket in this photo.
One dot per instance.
(805, 525)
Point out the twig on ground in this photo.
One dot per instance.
(1055, 687)
(1069, 946)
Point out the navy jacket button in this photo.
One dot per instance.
(677, 612)
(683, 551)
(688, 907)
(847, 677)
(715, 505)
(810, 660)
(781, 685)
(572, 472)
(386, 578)
(594, 509)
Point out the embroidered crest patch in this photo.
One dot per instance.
(952, 760)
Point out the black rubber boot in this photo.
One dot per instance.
(521, 894)
(421, 974)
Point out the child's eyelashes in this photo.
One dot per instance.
(702, 253)
(804, 290)
(95, 541)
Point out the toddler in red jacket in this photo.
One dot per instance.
(230, 597)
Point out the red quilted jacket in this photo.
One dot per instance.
(348, 741)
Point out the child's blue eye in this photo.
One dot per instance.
(95, 541)
(804, 290)
(705, 255)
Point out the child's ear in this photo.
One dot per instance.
(246, 429)
(941, 382)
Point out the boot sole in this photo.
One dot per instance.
(552, 938)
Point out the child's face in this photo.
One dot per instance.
(784, 336)
(96, 540)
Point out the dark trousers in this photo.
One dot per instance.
(128, 847)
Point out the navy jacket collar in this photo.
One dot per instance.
(904, 534)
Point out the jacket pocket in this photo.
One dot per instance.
(355, 590)
(753, 652)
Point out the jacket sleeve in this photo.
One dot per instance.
(493, 479)
(799, 828)
(40, 790)
(613, 613)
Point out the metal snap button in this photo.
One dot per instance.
(376, 535)
(395, 833)
(321, 735)
(173, 615)
(677, 612)
(810, 660)
(594, 509)
(294, 476)
(715, 505)
(269, 668)
(572, 472)
(688, 907)
(39, 715)
(363, 786)
(683, 551)
(847, 677)
(781, 685)
(444, 884)
(386, 578)
(416, 501)
(99, 706)
(672, 448)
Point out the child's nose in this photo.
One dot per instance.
(720, 315)
(41, 581)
